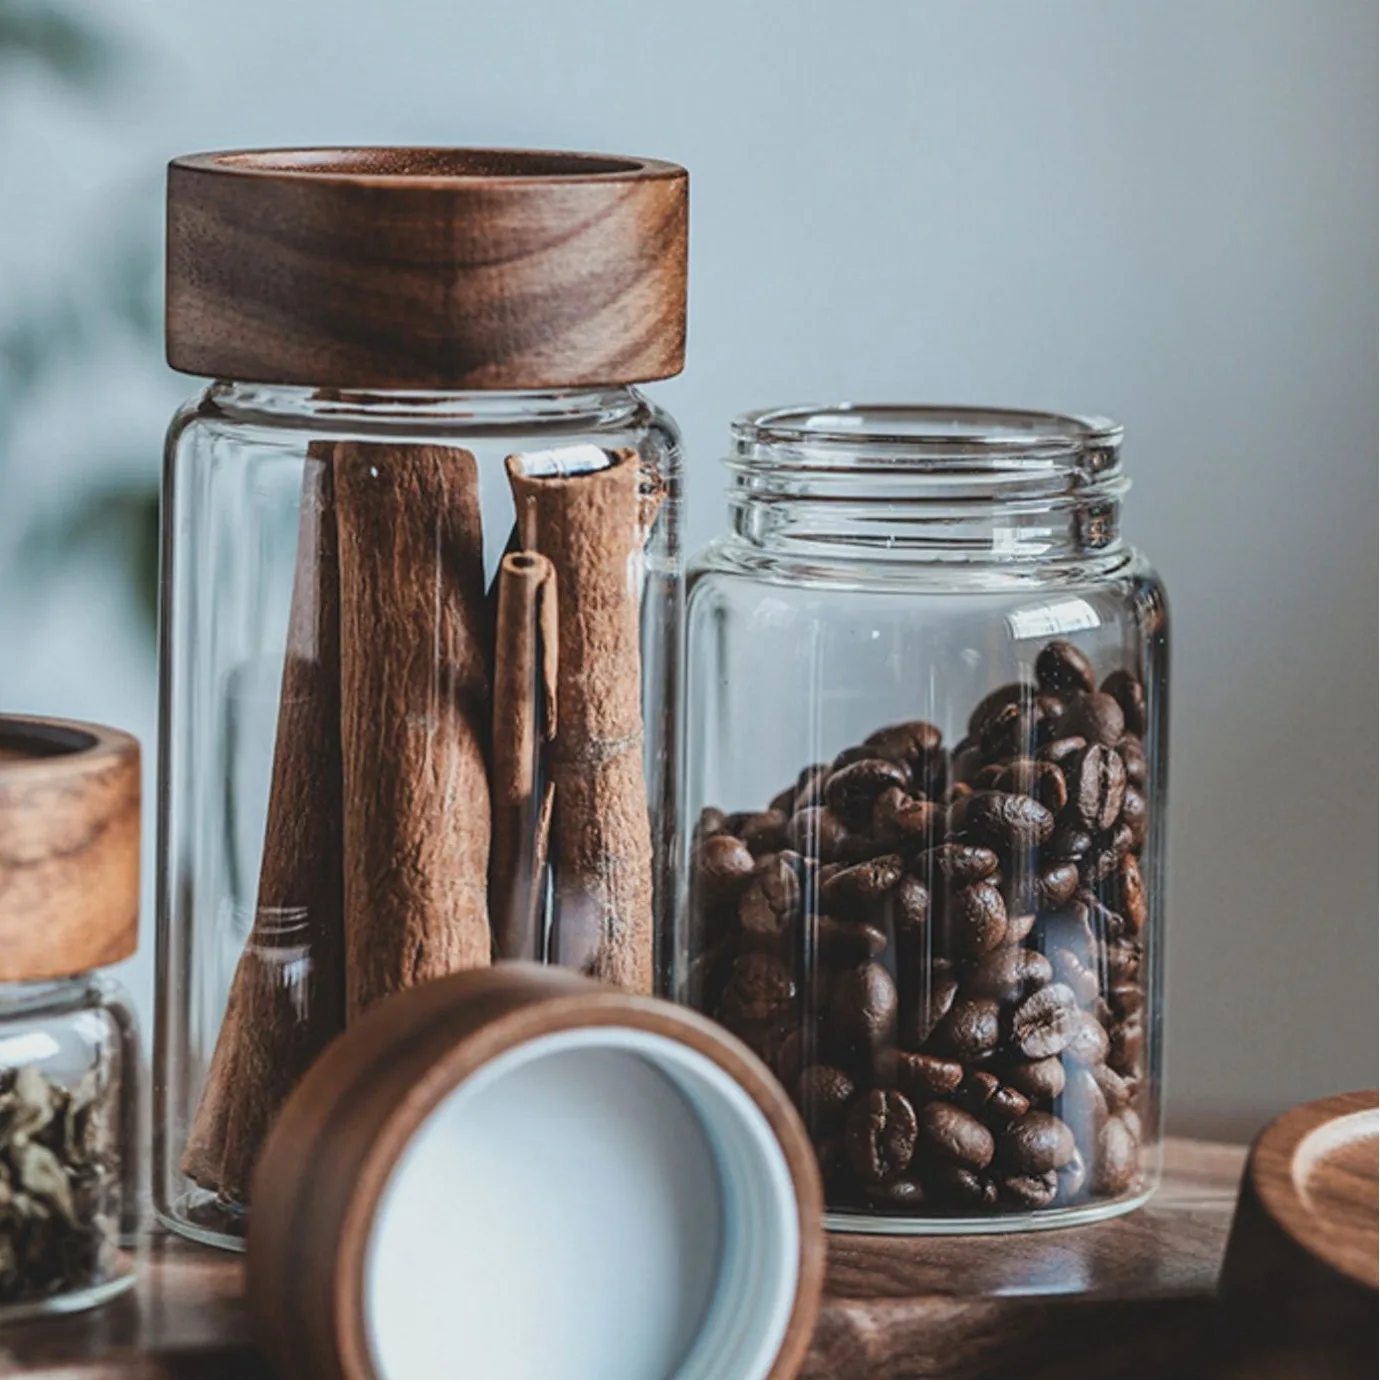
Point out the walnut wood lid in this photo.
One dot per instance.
(517, 1171)
(426, 268)
(69, 847)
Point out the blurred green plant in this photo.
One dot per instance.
(115, 302)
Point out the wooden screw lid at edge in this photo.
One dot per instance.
(426, 268)
(69, 847)
(327, 1161)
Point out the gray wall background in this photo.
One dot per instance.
(1162, 211)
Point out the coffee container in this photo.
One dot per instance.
(422, 603)
(924, 808)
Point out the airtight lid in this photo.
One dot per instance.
(518, 1172)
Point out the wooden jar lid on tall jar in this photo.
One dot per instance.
(69, 847)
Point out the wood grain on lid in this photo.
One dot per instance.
(69, 847)
(426, 267)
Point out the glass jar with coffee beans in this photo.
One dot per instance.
(924, 804)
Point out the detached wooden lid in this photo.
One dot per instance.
(517, 1171)
(69, 847)
(426, 268)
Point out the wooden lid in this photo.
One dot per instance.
(519, 1171)
(69, 847)
(426, 268)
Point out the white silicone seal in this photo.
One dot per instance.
(597, 1204)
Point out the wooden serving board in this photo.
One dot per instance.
(1133, 1296)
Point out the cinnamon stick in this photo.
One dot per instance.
(415, 660)
(287, 995)
(525, 715)
(582, 509)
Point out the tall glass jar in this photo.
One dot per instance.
(926, 717)
(422, 600)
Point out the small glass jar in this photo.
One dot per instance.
(926, 713)
(422, 591)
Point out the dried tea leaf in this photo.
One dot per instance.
(42, 1175)
(34, 1104)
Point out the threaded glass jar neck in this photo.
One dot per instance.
(899, 482)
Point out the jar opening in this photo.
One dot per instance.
(448, 164)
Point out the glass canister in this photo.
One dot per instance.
(422, 605)
(70, 1164)
(926, 698)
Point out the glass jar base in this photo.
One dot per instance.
(73, 1300)
(209, 1221)
(1047, 1219)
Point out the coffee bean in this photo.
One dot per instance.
(1083, 1105)
(1105, 858)
(1132, 752)
(923, 1076)
(1049, 716)
(1127, 1000)
(916, 745)
(920, 1016)
(975, 921)
(1049, 889)
(1045, 1021)
(1097, 786)
(1007, 823)
(1041, 780)
(783, 802)
(950, 1183)
(990, 1100)
(1096, 717)
(848, 942)
(862, 1007)
(907, 907)
(1008, 974)
(1131, 1118)
(723, 869)
(1058, 750)
(1010, 731)
(879, 1135)
(953, 1135)
(1067, 843)
(1075, 975)
(1089, 1044)
(809, 786)
(1041, 1080)
(793, 1055)
(816, 831)
(956, 792)
(898, 818)
(1018, 925)
(1103, 923)
(772, 903)
(1128, 1047)
(1029, 1192)
(1128, 692)
(1123, 958)
(1116, 1090)
(959, 863)
(971, 1029)
(998, 700)
(1116, 1159)
(1062, 668)
(760, 989)
(1130, 890)
(988, 777)
(823, 1094)
(897, 1193)
(1135, 816)
(765, 832)
(1035, 1144)
(851, 791)
(710, 822)
(851, 892)
(1073, 1179)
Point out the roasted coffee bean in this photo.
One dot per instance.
(965, 763)
(1130, 893)
(1008, 974)
(879, 1135)
(1123, 959)
(1058, 750)
(823, 1094)
(1041, 1080)
(1103, 923)
(1005, 822)
(998, 700)
(848, 942)
(1097, 782)
(907, 907)
(990, 1100)
(1019, 924)
(1096, 717)
(920, 1015)
(723, 869)
(896, 1193)
(920, 1076)
(765, 832)
(1128, 692)
(959, 863)
(1127, 1000)
(1083, 1105)
(794, 1054)
(733, 823)
(916, 745)
(853, 891)
(1089, 1044)
(1049, 716)
(970, 1029)
(1067, 843)
(948, 1133)
(1116, 1159)
(988, 777)
(1075, 975)
(816, 831)
(1029, 1192)
(1045, 1021)
(1049, 889)
(772, 903)
(1132, 752)
(1128, 1047)
(1117, 1091)
(1010, 731)
(1073, 1179)
(851, 791)
(1107, 852)
(710, 822)
(760, 990)
(975, 920)
(1135, 816)
(1062, 668)
(900, 819)
(809, 786)
(1131, 1118)
(862, 1007)
(1035, 1144)
(783, 802)
(1042, 780)
(959, 1187)
(956, 792)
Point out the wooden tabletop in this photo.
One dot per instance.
(1133, 1296)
